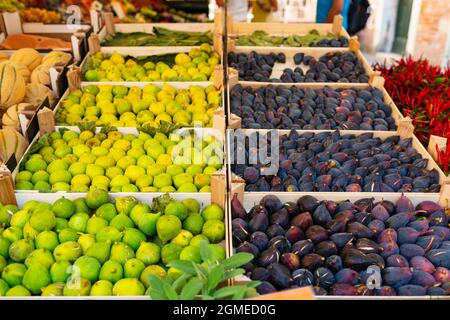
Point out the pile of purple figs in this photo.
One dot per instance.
(344, 248)
(283, 107)
(344, 67)
(330, 161)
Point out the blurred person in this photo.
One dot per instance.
(238, 9)
(327, 9)
(263, 10)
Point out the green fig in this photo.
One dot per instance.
(100, 251)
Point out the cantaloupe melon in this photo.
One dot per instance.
(56, 58)
(3, 56)
(10, 118)
(27, 56)
(36, 93)
(23, 70)
(41, 75)
(12, 86)
(11, 142)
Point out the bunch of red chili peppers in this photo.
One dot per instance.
(422, 92)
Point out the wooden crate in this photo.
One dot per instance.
(77, 35)
(237, 184)
(234, 121)
(315, 52)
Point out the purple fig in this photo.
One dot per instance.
(436, 291)
(385, 291)
(261, 274)
(302, 278)
(290, 260)
(265, 288)
(377, 226)
(419, 225)
(343, 289)
(363, 290)
(422, 278)
(442, 275)
(280, 276)
(404, 205)
(271, 203)
(428, 207)
(331, 206)
(438, 218)
(280, 243)
(323, 277)
(388, 205)
(348, 276)
(260, 240)
(439, 257)
(357, 260)
(353, 187)
(259, 222)
(367, 246)
(409, 250)
(397, 260)
(388, 234)
(407, 235)
(389, 248)
(341, 239)
(319, 291)
(337, 225)
(303, 247)
(291, 208)
(316, 234)
(396, 277)
(312, 261)
(411, 290)
(429, 242)
(255, 210)
(321, 216)
(274, 231)
(307, 204)
(334, 263)
(268, 256)
(237, 210)
(248, 247)
(294, 234)
(347, 215)
(303, 220)
(359, 230)
(379, 212)
(280, 217)
(326, 248)
(364, 205)
(239, 236)
(399, 220)
(442, 232)
(422, 263)
(378, 260)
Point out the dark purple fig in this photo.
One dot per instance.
(343, 289)
(302, 278)
(323, 277)
(331, 206)
(357, 260)
(280, 276)
(316, 234)
(248, 247)
(359, 230)
(409, 250)
(388, 205)
(385, 291)
(436, 291)
(367, 246)
(349, 246)
(274, 231)
(438, 218)
(422, 278)
(378, 260)
(336, 226)
(379, 212)
(307, 204)
(237, 210)
(388, 234)
(261, 274)
(326, 248)
(422, 263)
(248, 267)
(341, 239)
(363, 290)
(348, 276)
(411, 290)
(280, 243)
(303, 220)
(389, 248)
(346, 215)
(442, 232)
(363, 217)
(428, 207)
(396, 277)
(403, 204)
(445, 245)
(353, 187)
(364, 205)
(271, 203)
(377, 226)
(439, 257)
(334, 263)
(280, 217)
(255, 210)
(294, 234)
(321, 216)
(268, 256)
(291, 208)
(407, 235)
(265, 288)
(399, 220)
(312, 261)
(429, 242)
(319, 291)
(239, 236)
(442, 275)
(302, 248)
(397, 260)
(239, 223)
(260, 240)
(419, 225)
(290, 260)
(259, 222)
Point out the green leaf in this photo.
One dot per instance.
(206, 297)
(252, 284)
(237, 260)
(157, 288)
(206, 253)
(227, 291)
(240, 294)
(214, 277)
(86, 125)
(159, 203)
(232, 273)
(191, 289)
(184, 266)
(176, 285)
(106, 129)
(164, 127)
(440, 80)
(169, 291)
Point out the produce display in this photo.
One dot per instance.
(421, 91)
(331, 67)
(312, 39)
(283, 107)
(111, 247)
(11, 5)
(121, 106)
(11, 143)
(40, 15)
(67, 161)
(197, 65)
(19, 41)
(334, 245)
(159, 37)
(334, 161)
